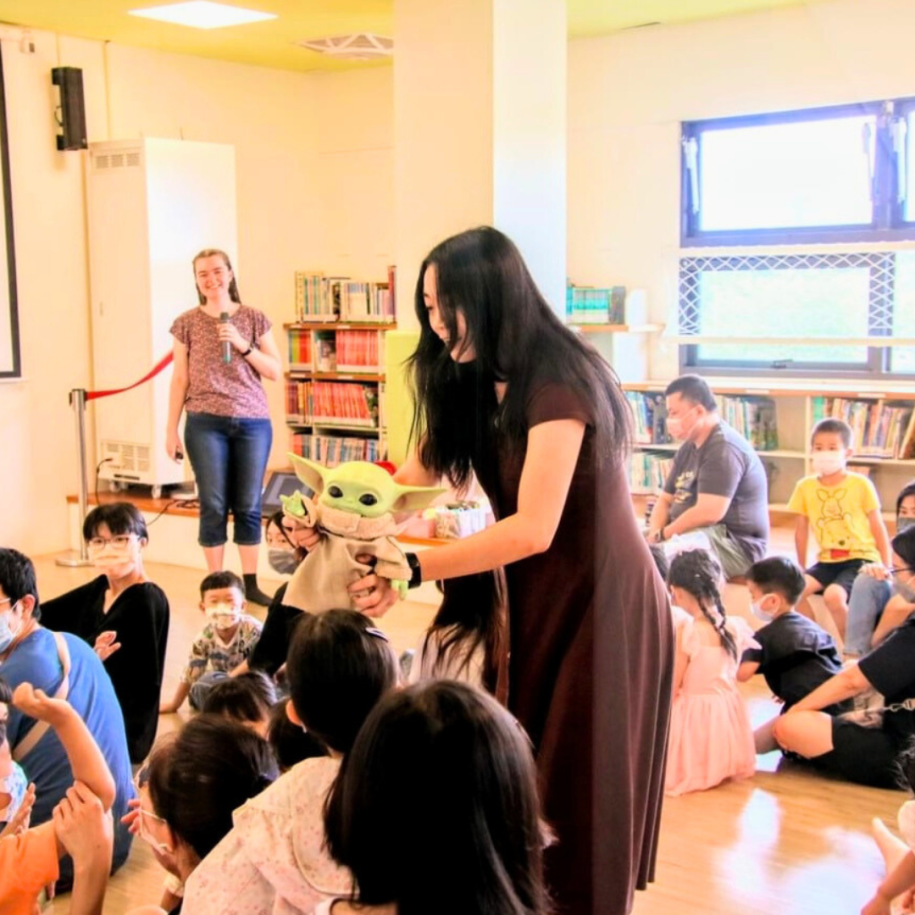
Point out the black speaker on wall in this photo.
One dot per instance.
(72, 108)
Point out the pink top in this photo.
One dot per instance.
(275, 861)
(214, 387)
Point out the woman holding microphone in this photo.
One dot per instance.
(222, 350)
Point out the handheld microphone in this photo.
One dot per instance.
(226, 346)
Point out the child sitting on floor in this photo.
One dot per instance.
(794, 654)
(710, 734)
(223, 644)
(29, 861)
(275, 859)
(247, 699)
(843, 510)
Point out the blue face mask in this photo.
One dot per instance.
(6, 633)
(903, 524)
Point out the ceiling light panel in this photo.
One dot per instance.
(202, 14)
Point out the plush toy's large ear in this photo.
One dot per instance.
(310, 473)
(415, 498)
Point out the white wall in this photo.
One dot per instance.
(285, 127)
(628, 94)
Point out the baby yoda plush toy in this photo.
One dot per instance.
(354, 508)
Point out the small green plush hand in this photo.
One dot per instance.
(400, 587)
(294, 505)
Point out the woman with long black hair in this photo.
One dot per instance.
(504, 390)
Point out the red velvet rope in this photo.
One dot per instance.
(164, 361)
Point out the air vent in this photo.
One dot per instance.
(108, 161)
(362, 46)
(124, 456)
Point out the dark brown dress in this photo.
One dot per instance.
(590, 675)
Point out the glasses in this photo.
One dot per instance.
(900, 569)
(120, 542)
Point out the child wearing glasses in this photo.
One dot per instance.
(122, 615)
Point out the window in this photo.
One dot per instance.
(828, 175)
(797, 295)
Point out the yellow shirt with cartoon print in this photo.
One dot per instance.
(838, 516)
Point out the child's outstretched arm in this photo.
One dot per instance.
(85, 757)
(878, 529)
(181, 694)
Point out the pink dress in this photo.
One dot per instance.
(711, 738)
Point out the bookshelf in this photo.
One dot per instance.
(882, 418)
(335, 390)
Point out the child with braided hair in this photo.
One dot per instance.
(711, 738)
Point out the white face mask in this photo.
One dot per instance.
(759, 612)
(223, 615)
(826, 463)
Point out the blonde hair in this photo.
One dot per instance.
(215, 252)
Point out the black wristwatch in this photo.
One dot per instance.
(248, 352)
(416, 578)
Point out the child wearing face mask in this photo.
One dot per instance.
(16, 796)
(224, 643)
(793, 653)
(842, 511)
(122, 615)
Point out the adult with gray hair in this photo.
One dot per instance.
(717, 484)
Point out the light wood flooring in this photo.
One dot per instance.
(786, 841)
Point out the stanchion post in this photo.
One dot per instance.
(78, 402)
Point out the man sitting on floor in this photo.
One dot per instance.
(717, 484)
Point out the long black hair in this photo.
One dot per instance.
(473, 842)
(698, 573)
(516, 339)
(471, 615)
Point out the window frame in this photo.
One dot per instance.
(877, 364)
(886, 223)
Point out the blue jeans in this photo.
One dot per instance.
(229, 457)
(201, 688)
(865, 607)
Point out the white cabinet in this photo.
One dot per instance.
(152, 205)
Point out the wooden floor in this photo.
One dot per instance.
(785, 842)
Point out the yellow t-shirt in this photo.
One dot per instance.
(838, 516)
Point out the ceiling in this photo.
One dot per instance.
(271, 43)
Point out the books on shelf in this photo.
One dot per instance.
(649, 410)
(341, 403)
(335, 298)
(349, 350)
(753, 418)
(648, 471)
(331, 450)
(299, 342)
(594, 305)
(880, 428)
